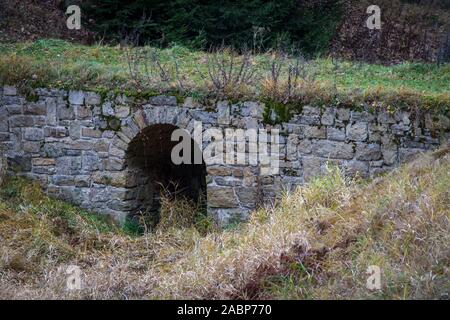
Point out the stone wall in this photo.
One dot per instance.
(76, 143)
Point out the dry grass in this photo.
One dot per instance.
(316, 243)
(277, 76)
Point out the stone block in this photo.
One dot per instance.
(43, 162)
(163, 100)
(35, 108)
(92, 98)
(357, 131)
(83, 112)
(336, 134)
(51, 106)
(328, 116)
(247, 196)
(219, 171)
(312, 167)
(90, 133)
(223, 113)
(31, 146)
(13, 109)
(221, 197)
(343, 114)
(21, 121)
(107, 109)
(34, 134)
(9, 91)
(68, 165)
(368, 152)
(314, 132)
(386, 117)
(76, 97)
(333, 149)
(65, 112)
(355, 167)
(19, 163)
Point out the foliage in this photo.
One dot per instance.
(202, 24)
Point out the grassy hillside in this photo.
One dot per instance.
(316, 243)
(55, 63)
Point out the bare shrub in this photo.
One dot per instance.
(148, 69)
(229, 74)
(176, 211)
(286, 75)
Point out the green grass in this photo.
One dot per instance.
(18, 193)
(60, 64)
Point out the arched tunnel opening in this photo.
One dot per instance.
(149, 161)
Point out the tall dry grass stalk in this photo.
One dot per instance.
(317, 243)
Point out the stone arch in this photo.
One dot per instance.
(148, 169)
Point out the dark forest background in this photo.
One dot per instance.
(201, 24)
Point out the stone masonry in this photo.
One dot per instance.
(75, 144)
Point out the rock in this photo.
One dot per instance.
(65, 112)
(252, 109)
(107, 109)
(357, 131)
(312, 167)
(76, 97)
(368, 152)
(333, 149)
(91, 133)
(406, 155)
(221, 197)
(92, 98)
(225, 217)
(116, 179)
(19, 163)
(21, 121)
(357, 116)
(35, 108)
(247, 196)
(314, 132)
(122, 111)
(386, 117)
(389, 150)
(163, 100)
(34, 134)
(51, 108)
(328, 116)
(190, 103)
(336, 134)
(90, 161)
(68, 165)
(355, 167)
(43, 162)
(305, 146)
(223, 113)
(219, 171)
(343, 114)
(9, 91)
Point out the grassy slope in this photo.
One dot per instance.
(57, 63)
(316, 243)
